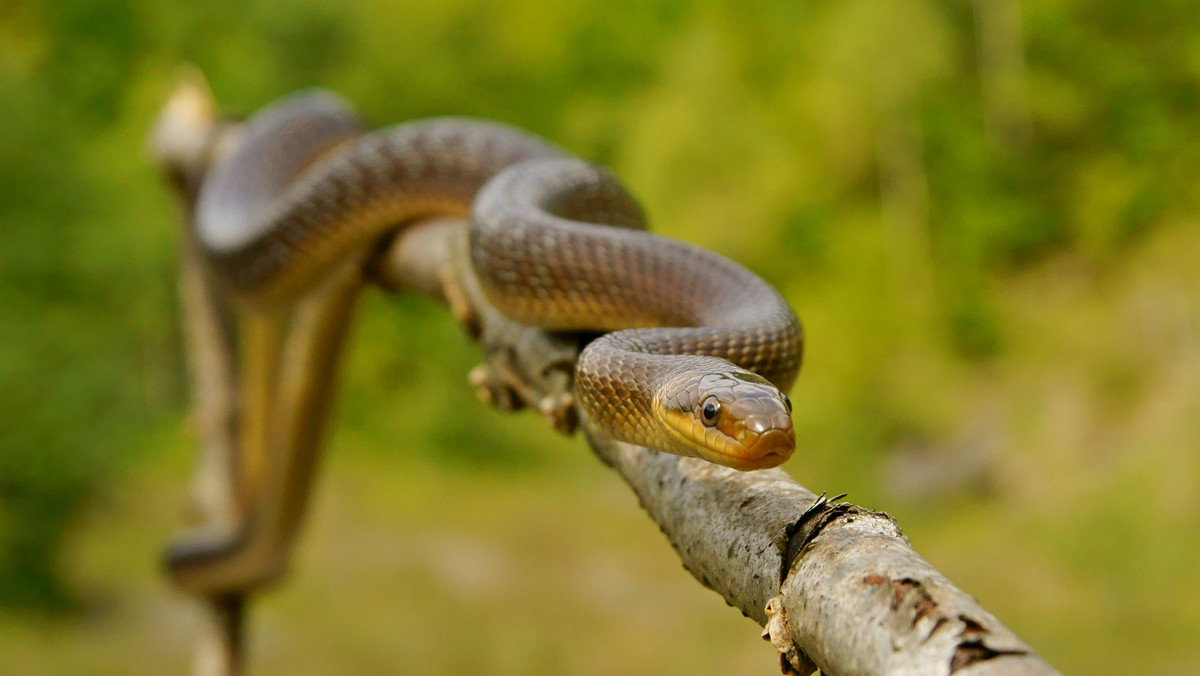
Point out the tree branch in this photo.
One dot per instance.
(182, 141)
(838, 587)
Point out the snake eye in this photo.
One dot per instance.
(710, 411)
(787, 403)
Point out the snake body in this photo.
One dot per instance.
(696, 350)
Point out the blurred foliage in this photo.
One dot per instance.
(984, 212)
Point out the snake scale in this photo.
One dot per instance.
(695, 351)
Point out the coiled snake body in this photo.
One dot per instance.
(305, 189)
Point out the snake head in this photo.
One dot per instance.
(733, 418)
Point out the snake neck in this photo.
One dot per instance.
(615, 387)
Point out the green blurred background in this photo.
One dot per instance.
(985, 213)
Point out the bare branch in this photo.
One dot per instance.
(181, 143)
(838, 587)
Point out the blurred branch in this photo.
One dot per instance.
(185, 135)
(838, 587)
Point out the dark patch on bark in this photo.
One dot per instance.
(970, 652)
(806, 527)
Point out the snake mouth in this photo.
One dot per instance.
(745, 450)
(771, 449)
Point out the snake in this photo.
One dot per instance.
(693, 354)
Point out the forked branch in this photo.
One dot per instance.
(836, 586)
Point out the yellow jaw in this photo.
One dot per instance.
(722, 443)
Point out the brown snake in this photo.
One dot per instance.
(306, 189)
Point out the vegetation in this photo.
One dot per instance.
(985, 214)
